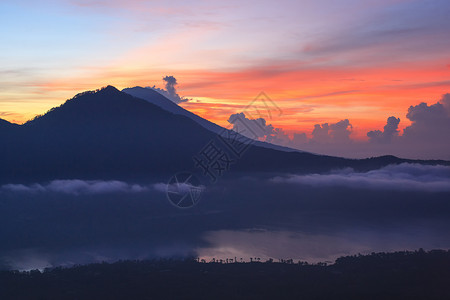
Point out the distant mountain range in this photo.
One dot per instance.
(137, 133)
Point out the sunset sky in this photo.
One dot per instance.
(320, 61)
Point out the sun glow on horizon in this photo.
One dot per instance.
(319, 66)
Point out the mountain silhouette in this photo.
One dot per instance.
(5, 125)
(156, 98)
(110, 134)
(105, 133)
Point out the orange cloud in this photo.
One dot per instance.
(308, 94)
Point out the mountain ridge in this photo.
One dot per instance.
(158, 99)
(108, 134)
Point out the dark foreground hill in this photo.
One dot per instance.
(108, 134)
(399, 275)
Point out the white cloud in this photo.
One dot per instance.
(390, 132)
(425, 138)
(335, 133)
(251, 128)
(430, 123)
(170, 92)
(409, 177)
(77, 187)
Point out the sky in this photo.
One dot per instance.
(321, 62)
